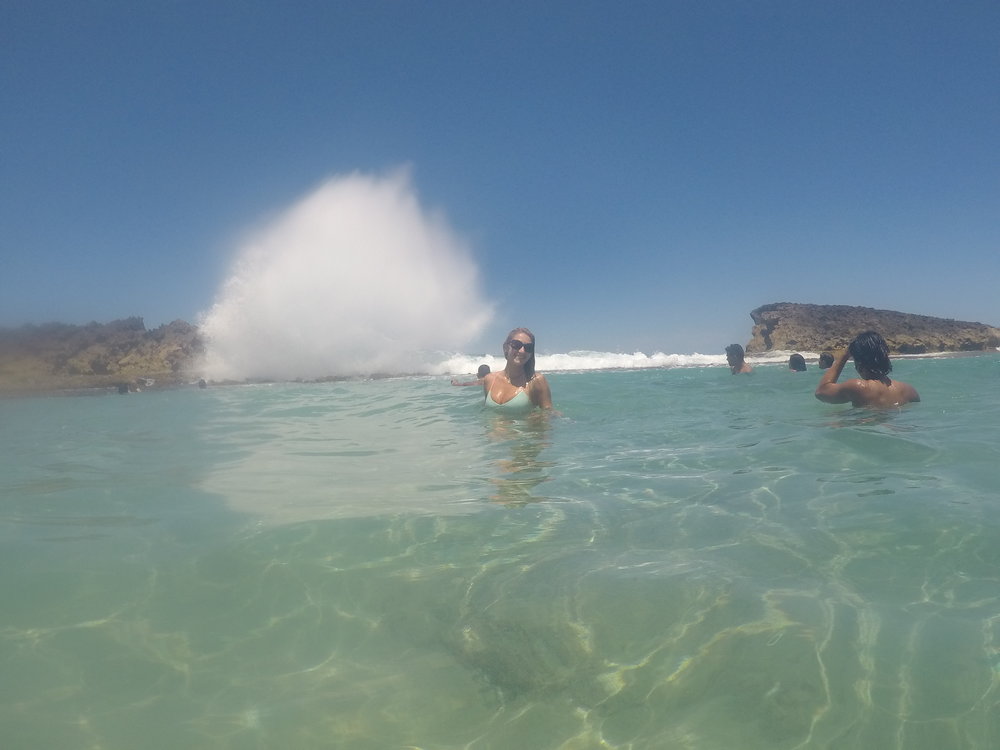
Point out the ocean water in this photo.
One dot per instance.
(679, 558)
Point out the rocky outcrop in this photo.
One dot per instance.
(790, 326)
(57, 356)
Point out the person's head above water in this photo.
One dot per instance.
(483, 371)
(797, 363)
(735, 358)
(871, 356)
(873, 387)
(825, 360)
(521, 340)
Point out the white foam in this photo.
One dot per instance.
(575, 361)
(356, 278)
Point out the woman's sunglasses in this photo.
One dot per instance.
(516, 346)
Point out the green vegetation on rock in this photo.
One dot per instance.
(55, 356)
(789, 326)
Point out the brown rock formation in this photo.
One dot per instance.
(56, 356)
(791, 326)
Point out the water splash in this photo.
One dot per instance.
(356, 278)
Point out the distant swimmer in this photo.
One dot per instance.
(735, 358)
(825, 360)
(874, 388)
(518, 386)
(797, 363)
(483, 371)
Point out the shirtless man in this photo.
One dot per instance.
(874, 388)
(734, 356)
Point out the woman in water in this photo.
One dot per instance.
(518, 386)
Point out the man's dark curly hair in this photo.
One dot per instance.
(870, 351)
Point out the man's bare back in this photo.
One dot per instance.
(874, 393)
(874, 388)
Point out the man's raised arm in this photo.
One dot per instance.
(828, 389)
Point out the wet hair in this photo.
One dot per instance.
(825, 360)
(529, 366)
(871, 353)
(736, 351)
(797, 362)
(483, 371)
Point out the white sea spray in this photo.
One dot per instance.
(355, 278)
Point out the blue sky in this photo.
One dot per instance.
(624, 175)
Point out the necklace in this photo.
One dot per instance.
(521, 387)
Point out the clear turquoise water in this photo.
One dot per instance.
(682, 559)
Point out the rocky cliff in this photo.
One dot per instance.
(815, 328)
(58, 356)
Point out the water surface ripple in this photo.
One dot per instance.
(678, 559)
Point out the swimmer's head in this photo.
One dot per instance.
(825, 360)
(483, 371)
(871, 356)
(521, 333)
(797, 362)
(734, 354)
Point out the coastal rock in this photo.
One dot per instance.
(55, 356)
(791, 326)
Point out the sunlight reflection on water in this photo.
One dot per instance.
(381, 564)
